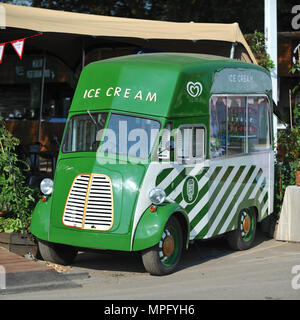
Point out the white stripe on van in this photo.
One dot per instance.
(242, 195)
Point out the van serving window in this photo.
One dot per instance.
(258, 124)
(236, 125)
(218, 126)
(239, 125)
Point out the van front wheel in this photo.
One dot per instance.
(164, 257)
(57, 253)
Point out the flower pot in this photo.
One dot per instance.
(297, 174)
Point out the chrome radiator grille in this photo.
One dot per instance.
(90, 203)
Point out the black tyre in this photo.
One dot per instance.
(163, 258)
(243, 237)
(57, 253)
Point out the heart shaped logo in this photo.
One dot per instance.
(194, 89)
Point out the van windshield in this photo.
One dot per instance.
(130, 136)
(125, 135)
(84, 132)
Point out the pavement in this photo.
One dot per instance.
(209, 270)
(22, 274)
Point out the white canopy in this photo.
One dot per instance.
(61, 22)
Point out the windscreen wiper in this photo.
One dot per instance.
(93, 119)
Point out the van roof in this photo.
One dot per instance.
(155, 83)
(177, 60)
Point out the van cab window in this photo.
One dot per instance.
(190, 144)
(83, 132)
(166, 144)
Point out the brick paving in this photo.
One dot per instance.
(14, 263)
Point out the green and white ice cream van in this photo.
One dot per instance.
(159, 150)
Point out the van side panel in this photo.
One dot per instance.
(225, 186)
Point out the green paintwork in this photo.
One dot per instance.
(152, 225)
(165, 74)
(40, 221)
(149, 85)
(126, 180)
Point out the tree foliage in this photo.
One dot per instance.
(249, 14)
(257, 44)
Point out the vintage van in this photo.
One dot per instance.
(159, 150)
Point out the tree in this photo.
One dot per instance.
(249, 14)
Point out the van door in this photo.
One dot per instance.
(189, 188)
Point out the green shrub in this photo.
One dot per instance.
(16, 198)
(288, 158)
(256, 42)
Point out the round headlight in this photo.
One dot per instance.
(157, 195)
(47, 186)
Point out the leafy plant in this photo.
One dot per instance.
(16, 198)
(10, 225)
(288, 159)
(297, 165)
(295, 69)
(256, 42)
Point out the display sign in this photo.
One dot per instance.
(125, 93)
(241, 81)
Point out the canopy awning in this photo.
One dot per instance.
(58, 26)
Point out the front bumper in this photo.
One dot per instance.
(90, 239)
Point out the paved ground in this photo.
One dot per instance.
(20, 274)
(209, 270)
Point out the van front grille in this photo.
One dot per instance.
(90, 203)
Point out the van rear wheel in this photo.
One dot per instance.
(243, 237)
(164, 257)
(57, 253)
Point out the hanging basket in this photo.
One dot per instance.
(297, 174)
